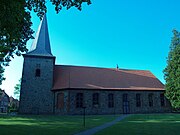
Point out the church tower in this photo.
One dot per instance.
(37, 77)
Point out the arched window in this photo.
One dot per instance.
(125, 97)
(110, 100)
(60, 100)
(150, 97)
(162, 99)
(79, 100)
(95, 99)
(38, 72)
(138, 100)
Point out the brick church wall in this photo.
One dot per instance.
(70, 102)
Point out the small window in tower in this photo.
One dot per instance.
(38, 65)
(38, 72)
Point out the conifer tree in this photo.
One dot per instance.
(172, 72)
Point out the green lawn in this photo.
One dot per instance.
(150, 124)
(48, 125)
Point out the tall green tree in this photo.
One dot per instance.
(17, 88)
(15, 25)
(172, 72)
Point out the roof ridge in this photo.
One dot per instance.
(103, 68)
(133, 69)
(82, 66)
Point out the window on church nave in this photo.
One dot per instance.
(138, 100)
(38, 72)
(162, 99)
(125, 97)
(60, 100)
(79, 100)
(95, 98)
(110, 100)
(150, 98)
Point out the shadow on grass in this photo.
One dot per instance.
(37, 130)
(48, 125)
(37, 127)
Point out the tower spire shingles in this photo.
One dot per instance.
(41, 45)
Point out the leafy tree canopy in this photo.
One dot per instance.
(172, 72)
(15, 25)
(17, 88)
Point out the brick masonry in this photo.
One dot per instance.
(36, 96)
(70, 102)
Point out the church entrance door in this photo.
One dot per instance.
(126, 108)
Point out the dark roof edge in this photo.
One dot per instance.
(106, 89)
(39, 56)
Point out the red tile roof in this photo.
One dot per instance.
(104, 78)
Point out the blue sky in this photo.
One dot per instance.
(134, 34)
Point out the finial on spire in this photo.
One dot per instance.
(117, 67)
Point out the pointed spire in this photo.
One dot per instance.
(41, 45)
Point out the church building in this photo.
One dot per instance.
(48, 88)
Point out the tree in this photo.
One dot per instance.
(15, 31)
(172, 72)
(15, 25)
(17, 88)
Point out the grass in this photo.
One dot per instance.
(49, 125)
(150, 124)
(141, 124)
